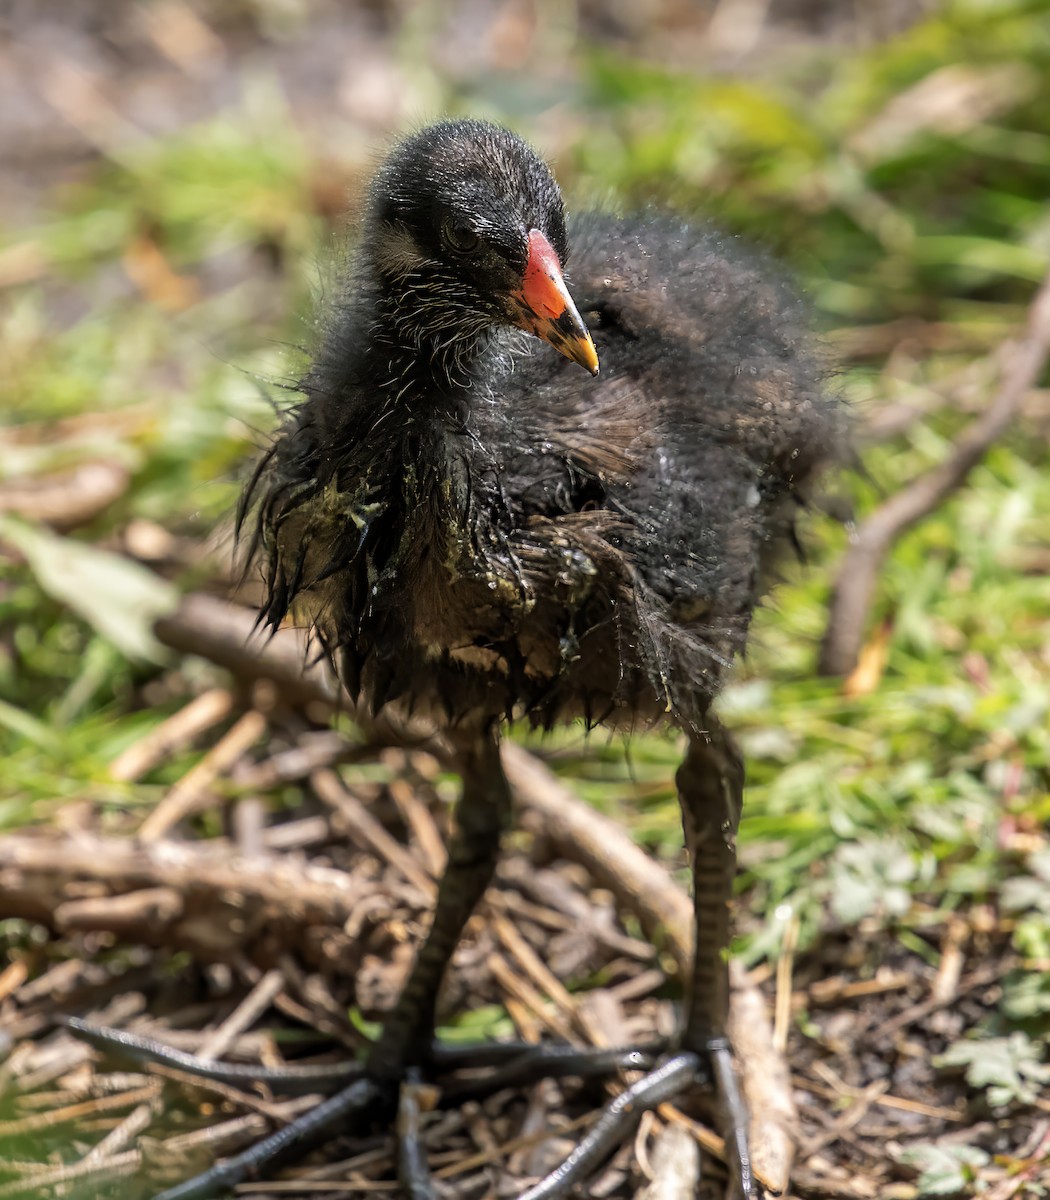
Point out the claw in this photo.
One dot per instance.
(506, 1064)
(413, 1170)
(362, 1097)
(617, 1122)
(734, 1118)
(554, 1062)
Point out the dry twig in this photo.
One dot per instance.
(858, 572)
(676, 1166)
(368, 832)
(278, 894)
(244, 1015)
(192, 793)
(202, 712)
(66, 499)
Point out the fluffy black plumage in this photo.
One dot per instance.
(474, 526)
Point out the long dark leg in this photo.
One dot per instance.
(482, 815)
(367, 1093)
(710, 792)
(710, 786)
(483, 812)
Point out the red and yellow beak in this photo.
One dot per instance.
(544, 307)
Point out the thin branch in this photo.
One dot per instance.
(192, 793)
(858, 573)
(170, 893)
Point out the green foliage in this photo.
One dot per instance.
(1011, 1069)
(897, 179)
(116, 597)
(948, 1170)
(1028, 897)
(487, 1022)
(236, 180)
(1026, 997)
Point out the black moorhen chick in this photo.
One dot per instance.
(479, 530)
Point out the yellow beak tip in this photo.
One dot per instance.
(585, 354)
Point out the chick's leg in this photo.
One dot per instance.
(481, 817)
(710, 792)
(405, 1043)
(391, 1079)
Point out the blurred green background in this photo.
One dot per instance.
(176, 174)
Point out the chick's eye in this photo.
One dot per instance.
(460, 237)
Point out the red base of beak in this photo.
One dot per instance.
(545, 308)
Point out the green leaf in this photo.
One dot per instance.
(870, 875)
(25, 725)
(1023, 893)
(1009, 1068)
(118, 598)
(944, 1170)
(1026, 995)
(487, 1023)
